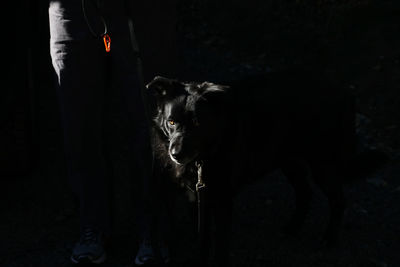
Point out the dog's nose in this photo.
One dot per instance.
(174, 153)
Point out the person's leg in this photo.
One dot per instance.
(124, 77)
(80, 92)
(79, 63)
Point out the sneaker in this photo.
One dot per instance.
(145, 253)
(164, 253)
(90, 248)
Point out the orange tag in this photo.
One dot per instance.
(107, 42)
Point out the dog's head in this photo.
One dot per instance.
(189, 115)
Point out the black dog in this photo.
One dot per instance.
(241, 131)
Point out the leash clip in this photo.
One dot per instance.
(200, 183)
(107, 42)
(200, 189)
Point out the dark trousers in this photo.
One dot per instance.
(84, 73)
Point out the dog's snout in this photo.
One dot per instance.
(174, 152)
(181, 150)
(176, 149)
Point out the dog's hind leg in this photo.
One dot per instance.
(297, 174)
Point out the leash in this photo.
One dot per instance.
(139, 68)
(107, 44)
(106, 38)
(201, 205)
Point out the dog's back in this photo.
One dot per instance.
(292, 114)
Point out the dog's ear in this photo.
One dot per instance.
(164, 87)
(210, 91)
(207, 87)
(215, 95)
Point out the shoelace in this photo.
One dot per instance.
(89, 236)
(164, 252)
(146, 243)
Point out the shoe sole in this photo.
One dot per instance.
(98, 260)
(139, 262)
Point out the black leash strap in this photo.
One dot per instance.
(85, 15)
(139, 66)
(105, 36)
(200, 189)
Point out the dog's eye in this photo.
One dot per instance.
(171, 122)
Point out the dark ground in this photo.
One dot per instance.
(356, 42)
